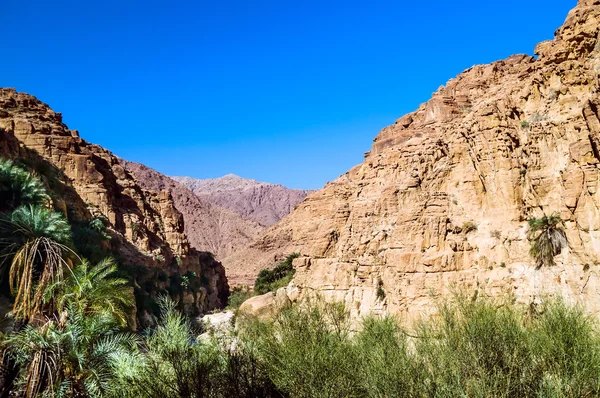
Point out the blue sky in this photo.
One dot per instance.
(289, 92)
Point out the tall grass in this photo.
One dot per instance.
(482, 348)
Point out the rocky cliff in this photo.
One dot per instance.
(259, 201)
(441, 201)
(208, 226)
(147, 230)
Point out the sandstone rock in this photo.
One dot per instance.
(145, 225)
(441, 201)
(219, 322)
(208, 227)
(263, 306)
(259, 201)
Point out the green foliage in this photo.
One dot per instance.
(307, 351)
(136, 230)
(91, 239)
(19, 187)
(69, 355)
(93, 290)
(386, 367)
(525, 124)
(67, 358)
(190, 281)
(547, 239)
(172, 363)
(237, 296)
(270, 280)
(496, 349)
(33, 244)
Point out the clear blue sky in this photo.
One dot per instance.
(289, 92)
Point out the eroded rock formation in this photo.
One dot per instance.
(259, 201)
(208, 226)
(146, 226)
(442, 200)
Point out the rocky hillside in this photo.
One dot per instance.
(146, 228)
(208, 227)
(442, 200)
(259, 201)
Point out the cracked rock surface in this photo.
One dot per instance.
(441, 201)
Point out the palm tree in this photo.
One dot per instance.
(547, 238)
(33, 240)
(91, 290)
(71, 354)
(69, 357)
(19, 187)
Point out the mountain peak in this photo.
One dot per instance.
(260, 201)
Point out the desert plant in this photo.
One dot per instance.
(92, 290)
(172, 363)
(307, 351)
(238, 295)
(19, 187)
(380, 292)
(386, 367)
(547, 239)
(33, 245)
(469, 226)
(91, 239)
(272, 279)
(69, 357)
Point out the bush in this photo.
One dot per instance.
(237, 296)
(307, 351)
(270, 280)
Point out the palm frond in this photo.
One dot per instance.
(547, 238)
(18, 186)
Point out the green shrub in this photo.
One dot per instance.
(91, 239)
(307, 351)
(386, 367)
(237, 296)
(269, 280)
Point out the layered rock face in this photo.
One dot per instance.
(442, 200)
(208, 227)
(147, 227)
(259, 201)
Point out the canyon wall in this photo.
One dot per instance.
(208, 226)
(441, 202)
(145, 225)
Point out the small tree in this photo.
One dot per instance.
(547, 238)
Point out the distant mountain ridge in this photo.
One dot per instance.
(262, 202)
(208, 226)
